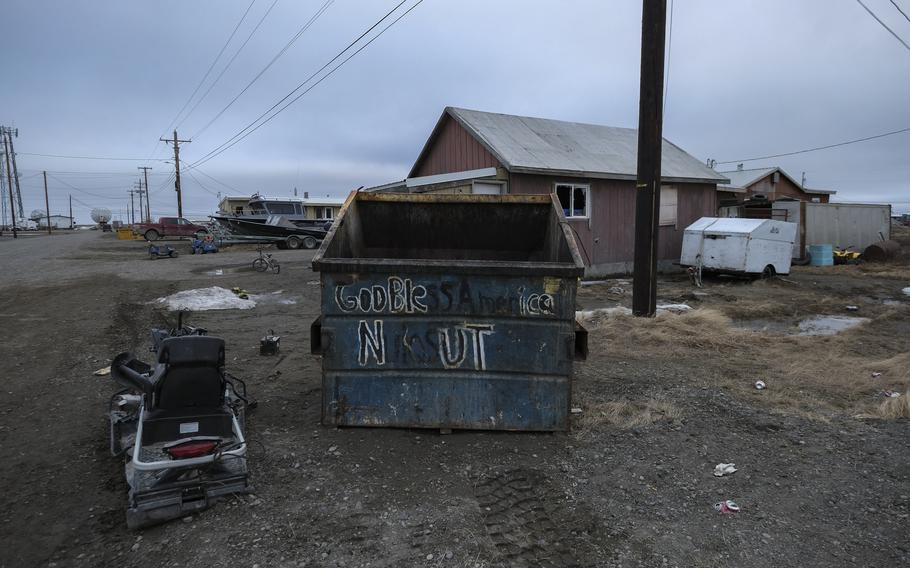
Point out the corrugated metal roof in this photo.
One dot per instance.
(537, 145)
(744, 178)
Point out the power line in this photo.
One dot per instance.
(893, 132)
(226, 67)
(85, 157)
(232, 188)
(206, 189)
(74, 188)
(287, 46)
(884, 25)
(904, 14)
(212, 66)
(250, 128)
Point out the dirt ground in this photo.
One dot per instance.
(824, 460)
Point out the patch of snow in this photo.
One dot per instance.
(585, 315)
(828, 325)
(906, 291)
(204, 299)
(673, 308)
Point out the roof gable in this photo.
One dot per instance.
(537, 145)
(746, 178)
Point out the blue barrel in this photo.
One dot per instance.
(821, 255)
(448, 311)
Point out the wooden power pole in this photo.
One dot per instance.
(47, 205)
(72, 221)
(148, 208)
(650, 138)
(176, 144)
(9, 175)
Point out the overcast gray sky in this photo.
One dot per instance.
(107, 78)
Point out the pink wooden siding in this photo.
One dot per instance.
(783, 188)
(612, 211)
(454, 150)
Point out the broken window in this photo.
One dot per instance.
(573, 198)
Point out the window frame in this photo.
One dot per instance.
(586, 187)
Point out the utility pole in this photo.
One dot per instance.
(650, 138)
(132, 208)
(12, 207)
(72, 221)
(139, 192)
(2, 191)
(47, 205)
(12, 154)
(176, 144)
(148, 208)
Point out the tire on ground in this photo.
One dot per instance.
(293, 242)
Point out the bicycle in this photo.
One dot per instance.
(266, 262)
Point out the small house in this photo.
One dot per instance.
(591, 168)
(767, 184)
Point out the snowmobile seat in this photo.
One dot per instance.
(190, 373)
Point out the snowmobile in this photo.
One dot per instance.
(178, 422)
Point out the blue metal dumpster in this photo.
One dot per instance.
(448, 311)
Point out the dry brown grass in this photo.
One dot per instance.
(814, 377)
(893, 408)
(626, 414)
(670, 333)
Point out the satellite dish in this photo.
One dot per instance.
(36, 214)
(101, 215)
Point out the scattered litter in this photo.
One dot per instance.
(876, 374)
(727, 506)
(890, 394)
(241, 293)
(287, 302)
(852, 308)
(203, 299)
(270, 344)
(828, 325)
(216, 272)
(576, 410)
(760, 385)
(104, 371)
(723, 469)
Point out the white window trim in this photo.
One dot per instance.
(574, 186)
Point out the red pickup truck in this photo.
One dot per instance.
(170, 227)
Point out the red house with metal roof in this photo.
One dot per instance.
(592, 169)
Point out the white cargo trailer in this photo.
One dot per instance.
(738, 246)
